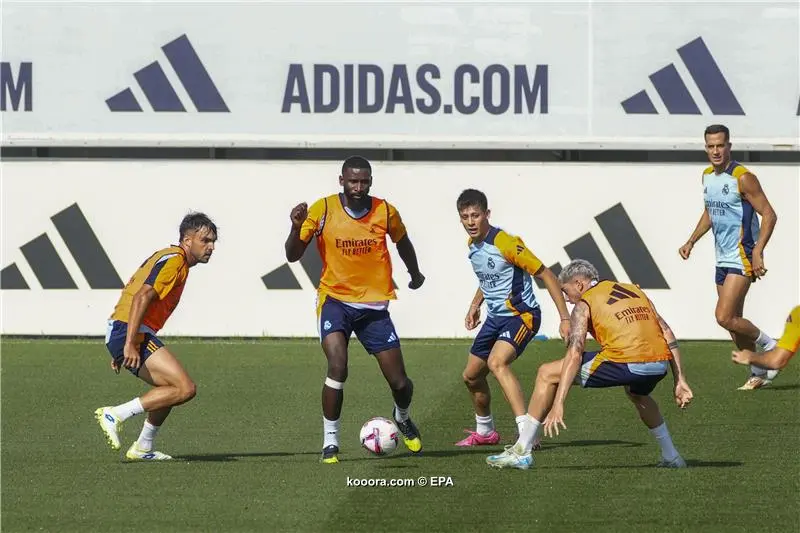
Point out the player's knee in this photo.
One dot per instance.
(398, 382)
(546, 374)
(471, 381)
(187, 390)
(497, 365)
(337, 370)
(724, 319)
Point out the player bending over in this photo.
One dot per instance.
(733, 196)
(778, 357)
(503, 265)
(146, 303)
(354, 291)
(637, 347)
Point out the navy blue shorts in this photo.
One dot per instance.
(115, 342)
(722, 272)
(515, 330)
(373, 328)
(598, 372)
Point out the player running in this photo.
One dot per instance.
(504, 266)
(355, 289)
(146, 303)
(733, 196)
(637, 347)
(778, 357)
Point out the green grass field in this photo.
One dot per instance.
(248, 449)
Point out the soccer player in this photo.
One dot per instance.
(504, 266)
(147, 301)
(733, 196)
(778, 357)
(355, 288)
(637, 347)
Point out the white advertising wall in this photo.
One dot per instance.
(593, 75)
(134, 208)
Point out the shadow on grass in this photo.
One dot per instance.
(225, 457)
(691, 463)
(794, 386)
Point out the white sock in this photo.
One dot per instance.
(484, 425)
(331, 430)
(668, 451)
(145, 442)
(126, 410)
(400, 415)
(527, 434)
(765, 342)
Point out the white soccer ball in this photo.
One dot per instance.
(379, 435)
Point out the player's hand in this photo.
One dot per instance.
(115, 366)
(683, 394)
(132, 358)
(563, 329)
(686, 250)
(299, 215)
(473, 317)
(416, 282)
(554, 418)
(759, 270)
(741, 357)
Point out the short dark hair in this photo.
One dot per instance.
(718, 128)
(195, 221)
(472, 198)
(356, 162)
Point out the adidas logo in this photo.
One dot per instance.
(161, 94)
(282, 278)
(392, 337)
(670, 87)
(627, 245)
(505, 335)
(49, 268)
(618, 292)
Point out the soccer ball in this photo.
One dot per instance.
(379, 435)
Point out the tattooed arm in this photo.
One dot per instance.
(578, 326)
(571, 364)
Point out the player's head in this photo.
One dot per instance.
(356, 178)
(198, 233)
(718, 144)
(473, 209)
(576, 278)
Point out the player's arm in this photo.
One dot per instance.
(751, 190)
(305, 222)
(164, 275)
(570, 365)
(141, 301)
(683, 393)
(557, 295)
(778, 357)
(399, 236)
(474, 313)
(775, 359)
(703, 225)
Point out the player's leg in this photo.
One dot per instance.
(172, 386)
(638, 392)
(335, 329)
(474, 376)
(520, 455)
(110, 418)
(729, 311)
(334, 345)
(377, 334)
